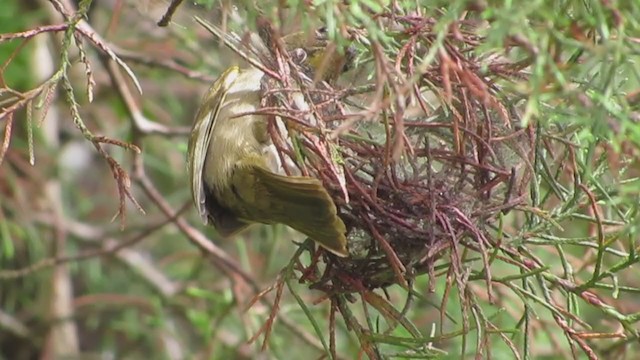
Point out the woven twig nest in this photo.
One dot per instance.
(419, 163)
(420, 160)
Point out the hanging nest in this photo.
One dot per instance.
(421, 160)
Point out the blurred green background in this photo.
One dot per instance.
(161, 297)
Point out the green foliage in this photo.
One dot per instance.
(562, 265)
(18, 73)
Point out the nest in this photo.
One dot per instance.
(420, 161)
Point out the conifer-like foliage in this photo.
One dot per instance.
(483, 156)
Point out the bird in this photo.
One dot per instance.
(236, 176)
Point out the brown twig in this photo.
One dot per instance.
(166, 18)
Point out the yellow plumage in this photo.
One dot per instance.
(236, 175)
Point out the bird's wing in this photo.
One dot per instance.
(201, 136)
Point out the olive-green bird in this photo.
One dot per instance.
(236, 175)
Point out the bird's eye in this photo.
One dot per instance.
(321, 33)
